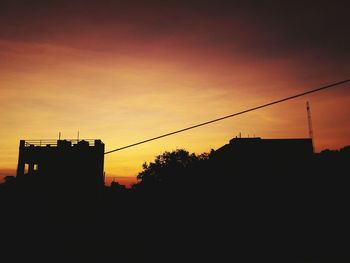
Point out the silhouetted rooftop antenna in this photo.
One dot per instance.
(232, 115)
(59, 135)
(78, 137)
(309, 120)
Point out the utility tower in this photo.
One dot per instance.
(309, 120)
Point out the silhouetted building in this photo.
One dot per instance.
(254, 151)
(63, 162)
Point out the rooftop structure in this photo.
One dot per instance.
(63, 162)
(256, 149)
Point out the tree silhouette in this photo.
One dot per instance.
(115, 186)
(170, 169)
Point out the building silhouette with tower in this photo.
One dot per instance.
(65, 163)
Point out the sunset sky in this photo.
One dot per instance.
(125, 71)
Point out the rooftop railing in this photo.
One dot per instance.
(54, 143)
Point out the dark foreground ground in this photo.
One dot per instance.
(225, 214)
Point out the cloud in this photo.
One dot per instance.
(265, 29)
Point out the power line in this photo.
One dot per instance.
(231, 115)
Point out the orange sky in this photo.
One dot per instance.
(124, 73)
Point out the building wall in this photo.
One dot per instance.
(65, 164)
(251, 153)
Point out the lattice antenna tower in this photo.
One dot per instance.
(309, 120)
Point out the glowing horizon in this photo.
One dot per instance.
(124, 73)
